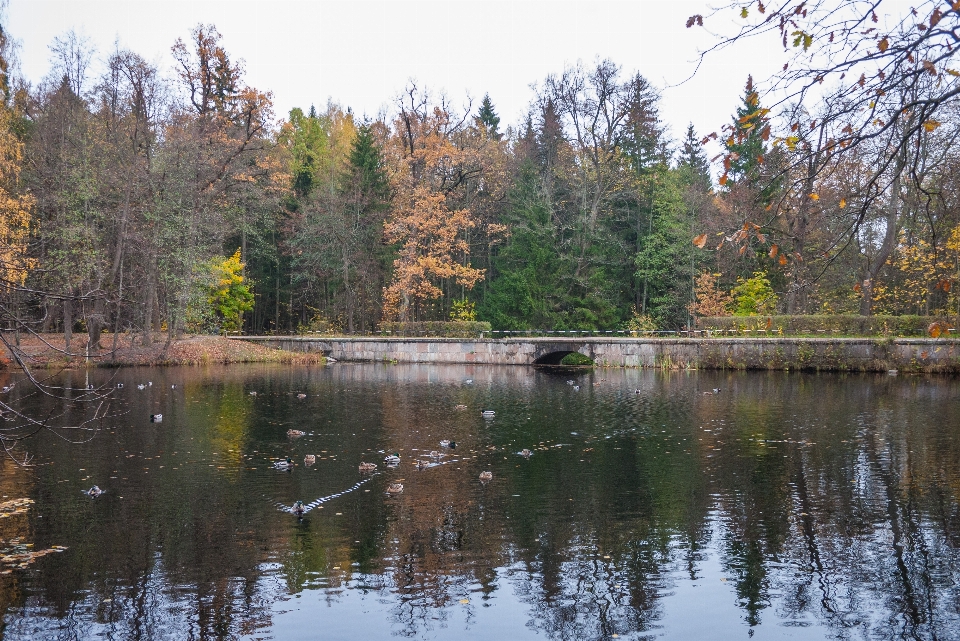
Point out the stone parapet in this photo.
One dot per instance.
(811, 354)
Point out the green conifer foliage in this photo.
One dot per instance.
(693, 163)
(747, 138)
(488, 117)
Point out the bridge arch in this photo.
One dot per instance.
(553, 353)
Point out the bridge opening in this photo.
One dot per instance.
(565, 359)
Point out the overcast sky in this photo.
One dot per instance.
(361, 54)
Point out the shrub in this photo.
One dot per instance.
(754, 296)
(833, 325)
(442, 329)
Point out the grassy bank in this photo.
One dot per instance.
(47, 351)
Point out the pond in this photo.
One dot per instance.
(784, 505)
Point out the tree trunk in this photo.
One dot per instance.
(96, 321)
(67, 321)
(889, 242)
(149, 295)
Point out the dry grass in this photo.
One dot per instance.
(46, 351)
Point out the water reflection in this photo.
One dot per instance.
(819, 506)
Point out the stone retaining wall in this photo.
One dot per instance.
(821, 354)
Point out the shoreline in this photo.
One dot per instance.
(46, 351)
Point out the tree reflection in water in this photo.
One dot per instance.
(827, 504)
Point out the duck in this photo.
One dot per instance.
(141, 386)
(119, 386)
(7, 388)
(94, 492)
(368, 467)
(716, 390)
(286, 464)
(395, 488)
(487, 413)
(569, 382)
(301, 396)
(309, 459)
(156, 418)
(422, 465)
(298, 509)
(295, 433)
(486, 476)
(461, 407)
(392, 459)
(576, 388)
(254, 393)
(448, 443)
(435, 454)
(525, 453)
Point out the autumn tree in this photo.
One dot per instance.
(854, 87)
(431, 163)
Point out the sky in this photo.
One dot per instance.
(362, 54)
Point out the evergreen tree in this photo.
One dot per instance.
(693, 163)
(747, 140)
(489, 118)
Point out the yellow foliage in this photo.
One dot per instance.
(15, 207)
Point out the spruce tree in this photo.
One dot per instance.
(489, 118)
(693, 163)
(747, 140)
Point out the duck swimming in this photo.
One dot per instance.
(283, 465)
(295, 433)
(309, 459)
(298, 509)
(94, 492)
(486, 476)
(395, 488)
(447, 443)
(392, 459)
(525, 453)
(156, 418)
(301, 396)
(487, 413)
(368, 467)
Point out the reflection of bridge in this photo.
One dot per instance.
(838, 354)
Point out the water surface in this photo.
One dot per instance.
(785, 506)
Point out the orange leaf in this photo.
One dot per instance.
(931, 125)
(762, 238)
(856, 287)
(814, 197)
(700, 241)
(783, 259)
(773, 251)
(883, 44)
(843, 203)
(723, 179)
(769, 322)
(743, 249)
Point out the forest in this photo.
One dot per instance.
(132, 200)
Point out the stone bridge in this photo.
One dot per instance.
(822, 354)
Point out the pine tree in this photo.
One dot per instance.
(489, 118)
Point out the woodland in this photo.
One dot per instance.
(141, 201)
